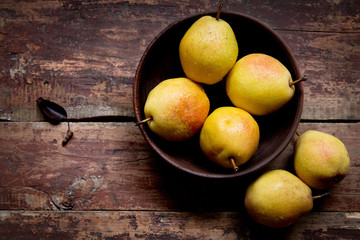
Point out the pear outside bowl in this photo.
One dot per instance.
(161, 61)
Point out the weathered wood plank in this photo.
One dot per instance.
(169, 225)
(84, 56)
(110, 166)
(330, 60)
(310, 15)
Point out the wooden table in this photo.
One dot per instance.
(107, 183)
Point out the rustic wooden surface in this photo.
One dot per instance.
(107, 183)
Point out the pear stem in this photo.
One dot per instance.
(303, 78)
(236, 168)
(218, 12)
(321, 195)
(144, 121)
(297, 133)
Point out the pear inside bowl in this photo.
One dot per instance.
(161, 61)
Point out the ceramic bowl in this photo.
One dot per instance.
(161, 61)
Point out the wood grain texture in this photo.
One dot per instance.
(84, 56)
(110, 166)
(170, 225)
(330, 60)
(107, 183)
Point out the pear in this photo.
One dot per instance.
(176, 109)
(278, 199)
(321, 160)
(208, 50)
(229, 137)
(260, 84)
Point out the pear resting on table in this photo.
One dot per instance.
(278, 199)
(320, 159)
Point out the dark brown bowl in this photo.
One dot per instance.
(161, 61)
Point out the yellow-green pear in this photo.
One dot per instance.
(321, 160)
(260, 84)
(278, 199)
(229, 137)
(176, 109)
(208, 50)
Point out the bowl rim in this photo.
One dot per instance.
(256, 167)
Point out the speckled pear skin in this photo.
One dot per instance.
(278, 199)
(259, 84)
(229, 132)
(321, 160)
(208, 50)
(178, 108)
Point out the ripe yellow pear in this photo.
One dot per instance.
(176, 109)
(208, 50)
(260, 84)
(278, 199)
(321, 160)
(229, 137)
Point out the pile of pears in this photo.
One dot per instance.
(257, 84)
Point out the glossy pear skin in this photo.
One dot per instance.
(278, 199)
(229, 132)
(259, 84)
(208, 50)
(321, 160)
(178, 108)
